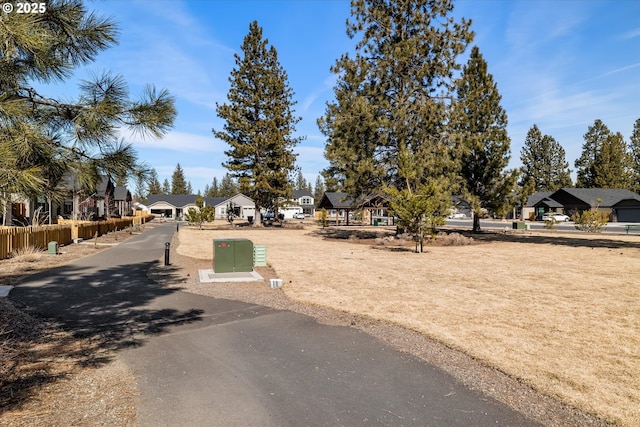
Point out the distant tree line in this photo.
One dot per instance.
(606, 161)
(226, 187)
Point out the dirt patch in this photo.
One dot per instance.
(48, 376)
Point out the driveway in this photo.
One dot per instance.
(202, 361)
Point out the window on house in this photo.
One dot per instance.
(68, 207)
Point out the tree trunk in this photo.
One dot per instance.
(257, 216)
(476, 223)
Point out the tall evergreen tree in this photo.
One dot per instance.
(189, 188)
(480, 128)
(141, 190)
(42, 138)
(634, 152)
(259, 123)
(614, 167)
(154, 183)
(390, 95)
(604, 162)
(318, 190)
(301, 183)
(544, 162)
(166, 187)
(228, 187)
(178, 182)
(213, 190)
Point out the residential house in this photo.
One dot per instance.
(122, 201)
(244, 206)
(176, 205)
(77, 202)
(304, 199)
(460, 205)
(170, 205)
(340, 207)
(540, 203)
(623, 205)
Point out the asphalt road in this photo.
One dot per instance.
(202, 361)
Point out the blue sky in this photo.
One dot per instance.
(560, 64)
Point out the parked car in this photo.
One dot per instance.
(299, 216)
(556, 217)
(458, 215)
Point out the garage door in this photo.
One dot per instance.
(628, 214)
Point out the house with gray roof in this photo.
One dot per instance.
(623, 205)
(122, 201)
(176, 205)
(374, 208)
(338, 206)
(304, 199)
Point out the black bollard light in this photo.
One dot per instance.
(167, 246)
(177, 225)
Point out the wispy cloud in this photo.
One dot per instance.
(178, 141)
(172, 46)
(631, 34)
(327, 86)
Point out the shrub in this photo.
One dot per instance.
(200, 216)
(28, 254)
(323, 221)
(592, 221)
(455, 239)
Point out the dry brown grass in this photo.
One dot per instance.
(48, 376)
(558, 312)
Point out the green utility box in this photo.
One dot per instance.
(519, 225)
(232, 255)
(52, 248)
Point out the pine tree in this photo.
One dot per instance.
(604, 162)
(42, 138)
(390, 96)
(614, 166)
(301, 183)
(634, 152)
(479, 124)
(154, 183)
(543, 160)
(228, 187)
(213, 190)
(141, 190)
(259, 123)
(166, 187)
(586, 164)
(178, 183)
(319, 189)
(189, 188)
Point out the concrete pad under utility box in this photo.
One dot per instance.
(209, 276)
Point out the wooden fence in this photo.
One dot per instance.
(15, 238)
